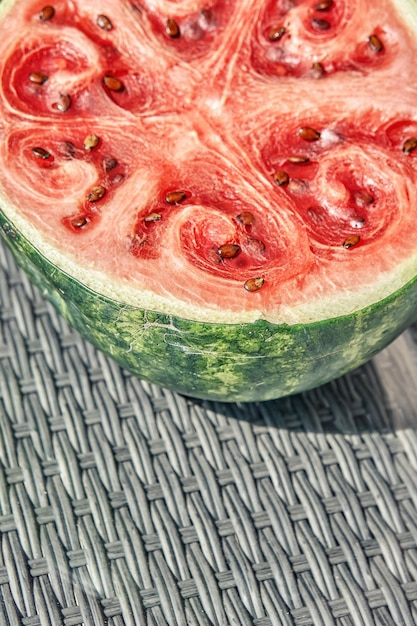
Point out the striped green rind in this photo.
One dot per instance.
(228, 362)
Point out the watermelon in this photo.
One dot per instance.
(220, 195)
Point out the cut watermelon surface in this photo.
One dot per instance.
(220, 195)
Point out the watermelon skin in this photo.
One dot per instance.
(226, 362)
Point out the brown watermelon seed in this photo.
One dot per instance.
(254, 284)
(153, 217)
(112, 83)
(357, 221)
(103, 22)
(96, 193)
(40, 153)
(38, 78)
(308, 134)
(109, 164)
(172, 29)
(375, 43)
(79, 222)
(245, 218)
(175, 197)
(325, 5)
(363, 198)
(318, 68)
(117, 179)
(281, 178)
(276, 33)
(351, 241)
(409, 145)
(228, 251)
(47, 13)
(298, 158)
(63, 103)
(91, 142)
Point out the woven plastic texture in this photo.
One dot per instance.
(125, 504)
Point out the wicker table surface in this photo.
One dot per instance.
(125, 504)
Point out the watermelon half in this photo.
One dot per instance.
(221, 195)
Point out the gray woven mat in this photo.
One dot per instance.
(124, 504)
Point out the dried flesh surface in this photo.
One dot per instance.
(219, 160)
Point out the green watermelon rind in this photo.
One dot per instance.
(226, 362)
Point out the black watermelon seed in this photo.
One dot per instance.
(40, 153)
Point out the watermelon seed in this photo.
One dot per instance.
(63, 104)
(318, 69)
(254, 284)
(109, 164)
(351, 241)
(375, 43)
(228, 251)
(96, 193)
(410, 145)
(363, 198)
(153, 217)
(112, 83)
(319, 24)
(175, 197)
(79, 222)
(117, 179)
(325, 5)
(47, 13)
(38, 78)
(357, 221)
(281, 178)
(308, 134)
(245, 218)
(172, 29)
(40, 153)
(276, 33)
(91, 142)
(104, 23)
(298, 159)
